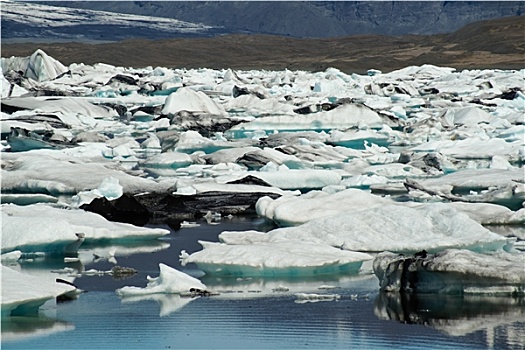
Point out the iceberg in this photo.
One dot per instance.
(299, 179)
(225, 140)
(35, 172)
(284, 259)
(471, 148)
(296, 210)
(171, 160)
(186, 99)
(468, 116)
(343, 117)
(191, 141)
(109, 189)
(71, 111)
(39, 227)
(289, 210)
(27, 198)
(432, 227)
(497, 186)
(356, 139)
(39, 66)
(169, 281)
(10, 90)
(452, 271)
(19, 295)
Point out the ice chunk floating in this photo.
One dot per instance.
(283, 259)
(42, 228)
(452, 271)
(170, 281)
(19, 295)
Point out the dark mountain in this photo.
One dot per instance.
(318, 18)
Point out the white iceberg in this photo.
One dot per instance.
(172, 160)
(42, 228)
(71, 111)
(39, 66)
(432, 227)
(36, 172)
(468, 116)
(343, 117)
(296, 210)
(299, 179)
(169, 281)
(472, 148)
(27, 198)
(109, 188)
(289, 258)
(186, 99)
(23, 294)
(191, 141)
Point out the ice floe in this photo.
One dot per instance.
(36, 172)
(169, 281)
(39, 66)
(287, 258)
(42, 228)
(453, 271)
(433, 227)
(19, 295)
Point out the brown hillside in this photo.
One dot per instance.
(488, 44)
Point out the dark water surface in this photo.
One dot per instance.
(256, 313)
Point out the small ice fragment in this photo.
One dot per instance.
(281, 288)
(186, 224)
(325, 286)
(312, 298)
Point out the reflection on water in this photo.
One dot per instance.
(23, 328)
(169, 303)
(455, 315)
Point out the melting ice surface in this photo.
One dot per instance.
(348, 171)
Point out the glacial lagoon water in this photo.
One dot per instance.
(255, 313)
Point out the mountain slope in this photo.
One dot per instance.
(319, 18)
(57, 23)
